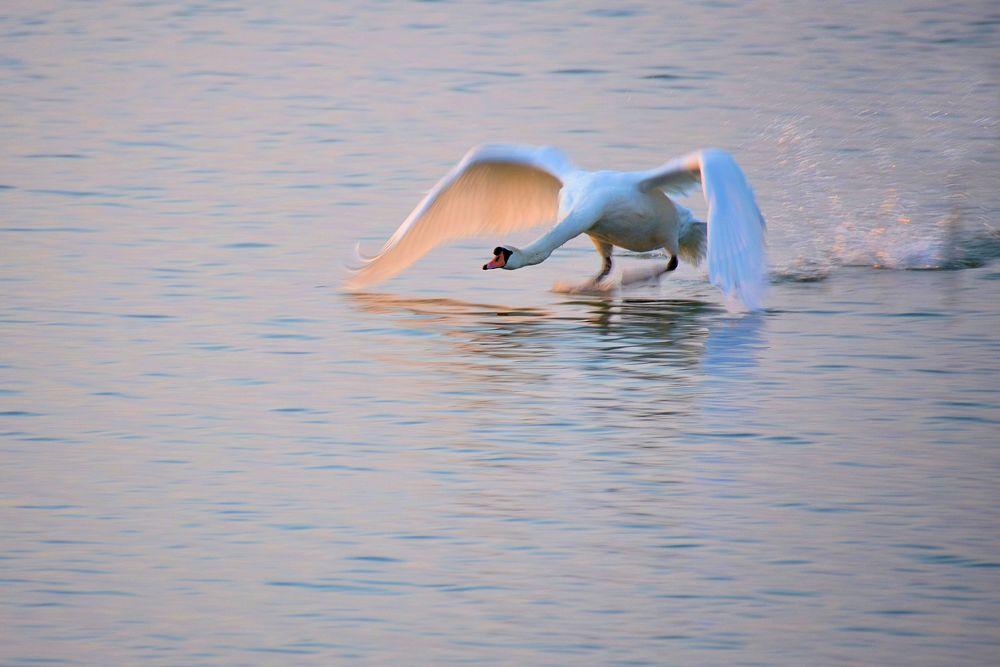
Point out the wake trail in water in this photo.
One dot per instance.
(896, 189)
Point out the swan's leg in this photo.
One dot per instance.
(597, 284)
(671, 247)
(647, 275)
(605, 251)
(605, 269)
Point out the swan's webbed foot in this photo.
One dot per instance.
(647, 276)
(596, 285)
(599, 284)
(605, 271)
(586, 287)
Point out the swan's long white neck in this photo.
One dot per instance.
(538, 251)
(573, 223)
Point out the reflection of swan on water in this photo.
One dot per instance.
(730, 382)
(635, 330)
(640, 357)
(436, 308)
(733, 346)
(500, 188)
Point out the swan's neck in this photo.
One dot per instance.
(574, 222)
(538, 251)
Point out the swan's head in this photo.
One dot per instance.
(505, 258)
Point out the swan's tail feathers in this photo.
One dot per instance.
(693, 241)
(736, 247)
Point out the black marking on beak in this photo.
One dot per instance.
(499, 253)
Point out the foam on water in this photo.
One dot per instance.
(832, 204)
(901, 183)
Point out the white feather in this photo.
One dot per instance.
(736, 255)
(494, 189)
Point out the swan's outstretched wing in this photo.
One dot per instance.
(494, 189)
(736, 260)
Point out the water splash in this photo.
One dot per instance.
(844, 195)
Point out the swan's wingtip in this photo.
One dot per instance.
(357, 279)
(707, 157)
(747, 296)
(360, 256)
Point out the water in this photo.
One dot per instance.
(212, 455)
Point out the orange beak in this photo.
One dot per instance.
(496, 263)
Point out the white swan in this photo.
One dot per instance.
(500, 188)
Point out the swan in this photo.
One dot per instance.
(499, 188)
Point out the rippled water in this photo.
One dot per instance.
(210, 454)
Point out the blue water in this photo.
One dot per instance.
(211, 454)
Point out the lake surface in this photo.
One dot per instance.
(211, 454)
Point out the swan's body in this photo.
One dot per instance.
(499, 188)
